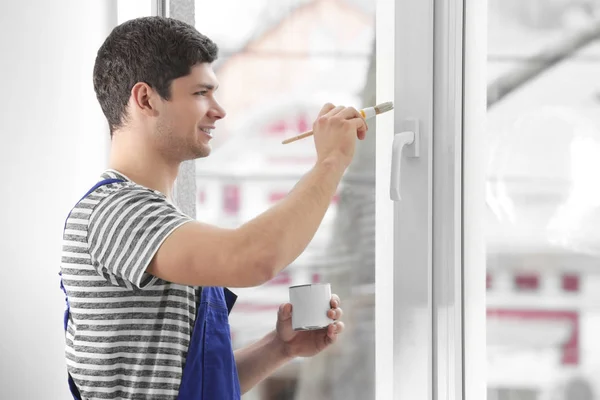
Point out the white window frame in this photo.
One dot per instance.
(424, 49)
(160, 8)
(474, 206)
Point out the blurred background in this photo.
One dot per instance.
(277, 67)
(543, 247)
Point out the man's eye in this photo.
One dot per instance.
(202, 93)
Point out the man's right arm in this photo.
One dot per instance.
(204, 255)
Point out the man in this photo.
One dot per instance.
(148, 312)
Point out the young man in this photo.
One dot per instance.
(148, 311)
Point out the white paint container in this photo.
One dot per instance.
(310, 304)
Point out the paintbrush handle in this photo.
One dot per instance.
(301, 136)
(366, 114)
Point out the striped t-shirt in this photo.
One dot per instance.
(128, 332)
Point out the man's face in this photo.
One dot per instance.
(186, 120)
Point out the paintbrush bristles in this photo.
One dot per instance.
(383, 107)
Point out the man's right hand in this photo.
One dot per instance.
(335, 132)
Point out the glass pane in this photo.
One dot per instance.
(278, 67)
(543, 199)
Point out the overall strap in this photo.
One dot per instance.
(96, 186)
(103, 182)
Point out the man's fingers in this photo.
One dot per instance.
(361, 134)
(285, 312)
(329, 340)
(325, 109)
(349, 113)
(333, 330)
(335, 313)
(346, 113)
(335, 301)
(359, 124)
(335, 111)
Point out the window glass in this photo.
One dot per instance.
(543, 198)
(276, 69)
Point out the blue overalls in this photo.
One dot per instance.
(210, 372)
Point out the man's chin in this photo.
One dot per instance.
(202, 152)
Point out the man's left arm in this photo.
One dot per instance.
(259, 360)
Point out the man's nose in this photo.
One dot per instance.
(218, 112)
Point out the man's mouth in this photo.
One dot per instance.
(208, 131)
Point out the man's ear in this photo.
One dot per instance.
(145, 99)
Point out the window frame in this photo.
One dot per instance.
(438, 338)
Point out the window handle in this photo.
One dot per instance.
(409, 137)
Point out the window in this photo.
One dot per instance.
(541, 197)
(276, 69)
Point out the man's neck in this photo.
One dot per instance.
(144, 167)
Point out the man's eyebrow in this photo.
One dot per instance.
(206, 86)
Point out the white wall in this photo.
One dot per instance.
(54, 143)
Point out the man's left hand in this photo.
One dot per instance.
(308, 343)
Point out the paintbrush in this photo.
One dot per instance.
(366, 113)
